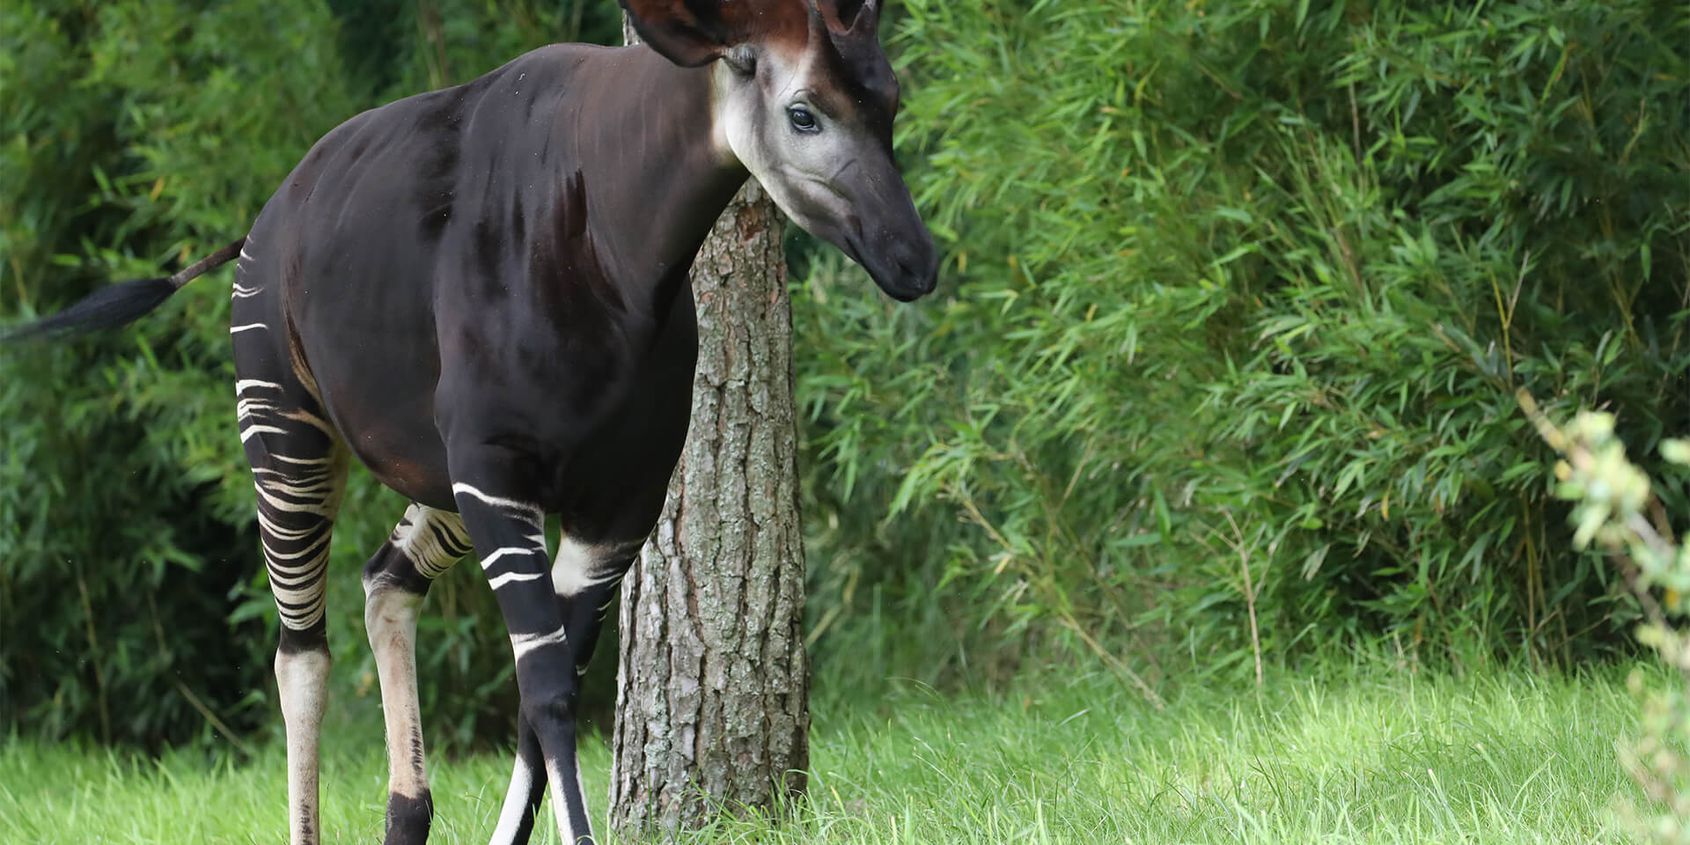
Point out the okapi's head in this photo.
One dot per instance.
(804, 99)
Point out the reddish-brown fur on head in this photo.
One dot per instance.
(697, 32)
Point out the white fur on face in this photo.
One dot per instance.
(751, 126)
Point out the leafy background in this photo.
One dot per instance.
(1220, 378)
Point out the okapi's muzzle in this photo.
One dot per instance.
(896, 249)
(910, 270)
(866, 210)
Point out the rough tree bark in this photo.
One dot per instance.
(712, 704)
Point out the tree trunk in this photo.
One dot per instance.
(712, 704)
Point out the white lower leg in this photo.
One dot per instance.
(390, 616)
(516, 803)
(301, 678)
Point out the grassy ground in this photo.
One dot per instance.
(1366, 755)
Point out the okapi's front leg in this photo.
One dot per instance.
(507, 528)
(585, 579)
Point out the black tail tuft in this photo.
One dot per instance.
(107, 308)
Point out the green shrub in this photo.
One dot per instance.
(1238, 297)
(132, 142)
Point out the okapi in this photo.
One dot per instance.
(482, 293)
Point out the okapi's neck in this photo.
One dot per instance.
(645, 132)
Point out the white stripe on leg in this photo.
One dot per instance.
(522, 644)
(516, 803)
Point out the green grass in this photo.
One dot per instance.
(1362, 755)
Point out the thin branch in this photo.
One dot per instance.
(217, 724)
(1249, 595)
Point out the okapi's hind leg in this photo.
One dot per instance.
(426, 544)
(299, 470)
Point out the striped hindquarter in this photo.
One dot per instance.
(299, 468)
(298, 460)
(299, 474)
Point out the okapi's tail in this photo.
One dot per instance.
(123, 303)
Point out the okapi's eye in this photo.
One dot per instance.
(803, 119)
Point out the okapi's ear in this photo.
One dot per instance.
(687, 32)
(855, 17)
